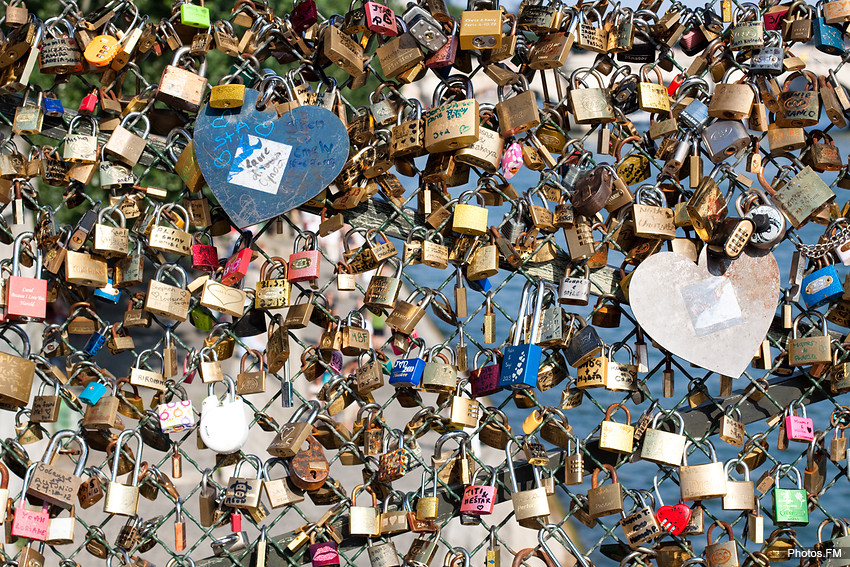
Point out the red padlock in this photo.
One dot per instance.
(237, 265)
(89, 103)
(479, 499)
(485, 379)
(304, 15)
(204, 256)
(675, 84)
(304, 262)
(235, 522)
(380, 19)
(26, 298)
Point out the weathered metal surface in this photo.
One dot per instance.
(260, 166)
(713, 316)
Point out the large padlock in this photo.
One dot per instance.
(815, 349)
(176, 239)
(664, 447)
(521, 362)
(181, 88)
(125, 145)
(701, 482)
(81, 148)
(450, 126)
(799, 108)
(120, 498)
(304, 263)
(590, 105)
(26, 298)
(790, 505)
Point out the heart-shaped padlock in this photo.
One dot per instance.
(673, 519)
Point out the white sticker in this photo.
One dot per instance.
(712, 305)
(259, 164)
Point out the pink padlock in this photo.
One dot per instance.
(204, 256)
(799, 428)
(380, 19)
(30, 524)
(485, 379)
(323, 554)
(304, 262)
(479, 499)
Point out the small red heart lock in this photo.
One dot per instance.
(674, 519)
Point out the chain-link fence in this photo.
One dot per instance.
(706, 402)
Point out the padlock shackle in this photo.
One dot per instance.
(57, 439)
(115, 456)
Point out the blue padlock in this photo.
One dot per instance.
(96, 341)
(822, 286)
(695, 115)
(52, 105)
(521, 362)
(93, 392)
(407, 372)
(828, 38)
(482, 285)
(108, 293)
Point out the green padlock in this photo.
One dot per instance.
(790, 507)
(194, 16)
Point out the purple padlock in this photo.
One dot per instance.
(799, 428)
(485, 379)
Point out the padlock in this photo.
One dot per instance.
(179, 87)
(790, 505)
(453, 125)
(81, 148)
(604, 500)
(304, 263)
(26, 298)
(664, 447)
(120, 498)
(29, 523)
(721, 554)
(223, 424)
(124, 144)
(530, 506)
(803, 351)
(740, 494)
(701, 482)
(521, 362)
(799, 428)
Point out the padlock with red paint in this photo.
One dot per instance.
(204, 256)
(479, 499)
(237, 265)
(89, 103)
(304, 15)
(380, 19)
(235, 522)
(30, 524)
(675, 84)
(323, 553)
(485, 379)
(304, 261)
(26, 298)
(799, 428)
